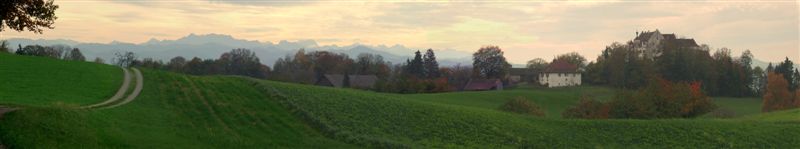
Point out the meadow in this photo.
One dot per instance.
(40, 81)
(182, 111)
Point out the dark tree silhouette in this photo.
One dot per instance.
(75, 55)
(490, 63)
(430, 64)
(415, 66)
(31, 15)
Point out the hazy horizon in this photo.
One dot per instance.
(525, 30)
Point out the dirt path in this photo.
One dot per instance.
(120, 93)
(134, 94)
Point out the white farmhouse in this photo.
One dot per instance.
(560, 73)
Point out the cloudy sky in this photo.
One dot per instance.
(524, 29)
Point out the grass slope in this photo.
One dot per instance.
(179, 111)
(553, 100)
(173, 111)
(39, 81)
(556, 100)
(379, 120)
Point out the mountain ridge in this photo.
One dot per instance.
(207, 46)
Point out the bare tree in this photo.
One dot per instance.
(124, 59)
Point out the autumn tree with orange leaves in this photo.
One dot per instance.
(777, 95)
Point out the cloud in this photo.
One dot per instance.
(524, 29)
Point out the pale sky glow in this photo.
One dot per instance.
(525, 30)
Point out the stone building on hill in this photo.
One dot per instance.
(651, 43)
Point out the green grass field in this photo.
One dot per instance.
(367, 118)
(39, 81)
(180, 111)
(173, 111)
(556, 100)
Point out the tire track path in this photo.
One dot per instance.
(136, 91)
(120, 93)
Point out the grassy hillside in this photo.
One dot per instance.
(374, 119)
(785, 115)
(556, 100)
(180, 111)
(173, 111)
(553, 100)
(39, 81)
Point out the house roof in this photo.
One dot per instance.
(561, 66)
(644, 36)
(669, 36)
(482, 84)
(685, 43)
(365, 81)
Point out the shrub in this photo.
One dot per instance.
(777, 95)
(588, 108)
(522, 106)
(663, 99)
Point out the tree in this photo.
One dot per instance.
(37, 50)
(759, 81)
(489, 63)
(241, 62)
(573, 58)
(4, 47)
(536, 65)
(99, 60)
(745, 62)
(31, 15)
(786, 68)
(75, 55)
(124, 59)
(777, 95)
(431, 65)
(662, 98)
(176, 64)
(415, 67)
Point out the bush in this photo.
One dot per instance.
(777, 95)
(588, 108)
(522, 106)
(663, 99)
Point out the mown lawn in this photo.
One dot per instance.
(39, 81)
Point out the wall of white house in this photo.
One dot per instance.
(560, 79)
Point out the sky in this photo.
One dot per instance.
(523, 29)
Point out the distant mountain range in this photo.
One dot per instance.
(212, 45)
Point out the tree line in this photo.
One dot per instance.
(622, 66)
(56, 51)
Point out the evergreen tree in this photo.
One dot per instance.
(431, 65)
(415, 66)
(785, 68)
(4, 47)
(770, 68)
(75, 55)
